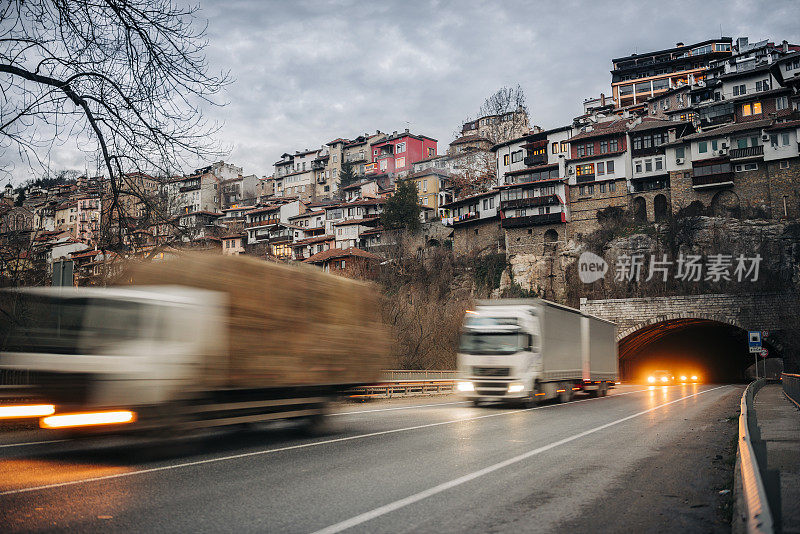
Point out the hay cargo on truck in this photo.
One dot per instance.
(527, 350)
(197, 341)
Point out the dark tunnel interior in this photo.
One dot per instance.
(714, 351)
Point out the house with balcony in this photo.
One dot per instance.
(89, 215)
(347, 232)
(638, 77)
(726, 172)
(648, 183)
(597, 171)
(476, 223)
(533, 214)
(260, 221)
(396, 154)
(432, 187)
(305, 248)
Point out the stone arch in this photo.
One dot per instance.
(660, 208)
(640, 209)
(725, 203)
(551, 236)
(693, 316)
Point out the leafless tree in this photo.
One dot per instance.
(503, 116)
(125, 77)
(475, 172)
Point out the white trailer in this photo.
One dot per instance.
(527, 350)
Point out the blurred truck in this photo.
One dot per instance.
(194, 342)
(528, 350)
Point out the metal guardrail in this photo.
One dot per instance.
(791, 387)
(410, 374)
(403, 388)
(757, 517)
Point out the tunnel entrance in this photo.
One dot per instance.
(715, 351)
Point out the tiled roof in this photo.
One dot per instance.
(784, 125)
(315, 239)
(654, 124)
(307, 214)
(469, 139)
(265, 209)
(728, 129)
(350, 222)
(601, 129)
(335, 253)
(471, 197)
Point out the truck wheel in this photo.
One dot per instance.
(603, 389)
(477, 403)
(566, 395)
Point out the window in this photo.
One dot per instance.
(584, 170)
(516, 156)
(751, 109)
(603, 147)
(582, 190)
(601, 168)
(680, 152)
(602, 188)
(781, 102)
(785, 139)
(613, 145)
(659, 163)
(702, 147)
(739, 90)
(773, 140)
(612, 186)
(609, 167)
(505, 160)
(400, 163)
(648, 165)
(590, 189)
(590, 149)
(333, 158)
(714, 144)
(384, 164)
(637, 166)
(746, 167)
(554, 148)
(431, 152)
(564, 146)
(400, 147)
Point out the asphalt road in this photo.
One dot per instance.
(643, 458)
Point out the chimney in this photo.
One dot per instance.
(785, 46)
(672, 134)
(394, 132)
(741, 42)
(602, 99)
(678, 44)
(407, 128)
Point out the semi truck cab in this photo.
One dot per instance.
(499, 353)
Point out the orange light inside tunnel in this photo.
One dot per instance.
(72, 420)
(32, 410)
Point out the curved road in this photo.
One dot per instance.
(649, 458)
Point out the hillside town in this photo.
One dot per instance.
(705, 128)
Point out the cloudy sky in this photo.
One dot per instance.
(309, 72)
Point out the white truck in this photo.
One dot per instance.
(528, 350)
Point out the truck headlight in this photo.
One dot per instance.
(651, 379)
(515, 387)
(664, 378)
(465, 386)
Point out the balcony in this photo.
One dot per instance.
(712, 180)
(468, 217)
(533, 220)
(749, 152)
(266, 222)
(317, 165)
(193, 187)
(547, 200)
(584, 178)
(532, 161)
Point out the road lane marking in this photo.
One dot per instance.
(31, 443)
(396, 505)
(299, 446)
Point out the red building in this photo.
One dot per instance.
(398, 152)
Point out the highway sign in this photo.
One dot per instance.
(754, 341)
(764, 353)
